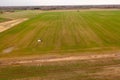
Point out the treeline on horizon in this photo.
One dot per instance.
(59, 7)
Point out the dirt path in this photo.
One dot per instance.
(60, 59)
(6, 25)
(72, 58)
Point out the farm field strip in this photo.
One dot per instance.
(92, 69)
(61, 32)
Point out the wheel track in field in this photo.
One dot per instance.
(9, 24)
(38, 60)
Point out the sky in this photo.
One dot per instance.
(55, 2)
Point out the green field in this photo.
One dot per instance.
(63, 32)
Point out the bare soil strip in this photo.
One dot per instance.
(6, 25)
(70, 58)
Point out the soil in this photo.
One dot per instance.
(39, 60)
(9, 24)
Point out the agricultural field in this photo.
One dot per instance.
(102, 69)
(19, 14)
(63, 32)
(61, 45)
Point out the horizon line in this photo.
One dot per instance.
(59, 5)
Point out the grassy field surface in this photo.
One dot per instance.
(2, 19)
(20, 14)
(63, 32)
(102, 69)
